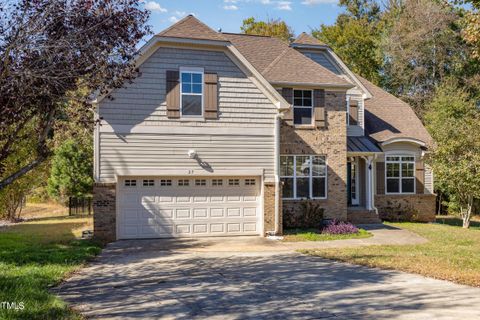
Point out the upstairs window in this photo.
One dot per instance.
(191, 93)
(400, 174)
(302, 107)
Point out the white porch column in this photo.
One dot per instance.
(369, 192)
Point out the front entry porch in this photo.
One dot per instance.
(361, 157)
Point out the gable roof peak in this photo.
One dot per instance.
(191, 28)
(305, 38)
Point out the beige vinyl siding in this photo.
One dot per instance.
(428, 181)
(135, 130)
(241, 103)
(169, 151)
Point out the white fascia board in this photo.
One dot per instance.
(332, 86)
(404, 139)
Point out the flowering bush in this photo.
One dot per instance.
(340, 227)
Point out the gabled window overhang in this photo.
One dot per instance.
(414, 141)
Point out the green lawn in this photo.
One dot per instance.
(452, 253)
(294, 235)
(37, 255)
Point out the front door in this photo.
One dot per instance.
(352, 181)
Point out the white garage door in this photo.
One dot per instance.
(152, 207)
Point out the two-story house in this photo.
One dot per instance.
(231, 134)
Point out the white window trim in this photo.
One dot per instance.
(311, 107)
(197, 71)
(401, 154)
(310, 180)
(348, 110)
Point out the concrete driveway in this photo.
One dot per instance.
(164, 279)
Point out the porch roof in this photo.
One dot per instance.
(362, 145)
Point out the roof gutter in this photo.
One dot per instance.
(342, 87)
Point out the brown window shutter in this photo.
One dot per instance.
(319, 110)
(353, 114)
(420, 176)
(287, 94)
(211, 95)
(380, 177)
(173, 94)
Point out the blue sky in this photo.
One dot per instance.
(301, 15)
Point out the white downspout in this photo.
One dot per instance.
(276, 172)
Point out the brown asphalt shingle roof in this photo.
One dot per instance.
(274, 59)
(279, 63)
(191, 28)
(387, 117)
(305, 38)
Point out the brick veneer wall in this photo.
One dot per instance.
(104, 212)
(330, 141)
(269, 209)
(415, 207)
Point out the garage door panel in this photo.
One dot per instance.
(217, 212)
(250, 212)
(250, 227)
(188, 211)
(216, 228)
(233, 212)
(200, 228)
(200, 213)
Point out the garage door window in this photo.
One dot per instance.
(130, 183)
(148, 183)
(303, 177)
(233, 182)
(217, 182)
(200, 182)
(183, 182)
(164, 183)
(249, 182)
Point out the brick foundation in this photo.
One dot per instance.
(269, 209)
(104, 212)
(415, 207)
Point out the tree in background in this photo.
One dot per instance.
(272, 27)
(49, 49)
(356, 36)
(422, 48)
(72, 171)
(453, 119)
(13, 196)
(471, 31)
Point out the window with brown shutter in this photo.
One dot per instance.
(287, 94)
(173, 93)
(420, 176)
(380, 177)
(211, 96)
(353, 113)
(319, 99)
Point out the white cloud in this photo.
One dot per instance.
(284, 5)
(154, 6)
(230, 7)
(265, 1)
(314, 2)
(173, 19)
(180, 14)
(230, 1)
